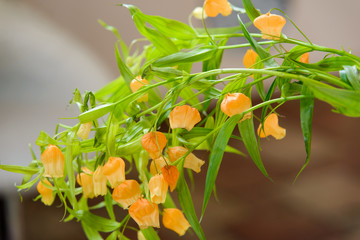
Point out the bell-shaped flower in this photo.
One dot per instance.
(100, 181)
(53, 161)
(175, 220)
(158, 189)
(249, 59)
(214, 7)
(84, 130)
(171, 175)
(47, 196)
(157, 164)
(114, 170)
(191, 161)
(85, 180)
(144, 213)
(271, 127)
(235, 103)
(304, 58)
(184, 117)
(198, 13)
(154, 143)
(270, 25)
(127, 193)
(136, 84)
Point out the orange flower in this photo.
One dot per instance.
(191, 161)
(304, 58)
(171, 176)
(127, 193)
(235, 103)
(249, 59)
(154, 143)
(214, 7)
(100, 181)
(157, 164)
(46, 193)
(53, 160)
(175, 220)
(85, 180)
(158, 189)
(184, 117)
(271, 127)
(144, 213)
(136, 84)
(114, 170)
(84, 130)
(270, 25)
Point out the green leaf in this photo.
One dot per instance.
(97, 223)
(150, 234)
(69, 168)
(124, 70)
(20, 169)
(109, 205)
(352, 76)
(329, 64)
(251, 11)
(95, 113)
(44, 140)
(217, 155)
(90, 232)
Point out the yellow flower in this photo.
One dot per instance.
(235, 103)
(214, 7)
(158, 189)
(144, 213)
(175, 220)
(114, 170)
(136, 84)
(271, 127)
(191, 161)
(127, 193)
(46, 193)
(100, 181)
(171, 176)
(154, 143)
(84, 130)
(157, 164)
(53, 160)
(197, 13)
(85, 180)
(184, 117)
(270, 25)
(304, 58)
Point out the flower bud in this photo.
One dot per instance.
(175, 220)
(84, 130)
(198, 13)
(154, 143)
(214, 7)
(144, 213)
(85, 180)
(270, 25)
(271, 127)
(53, 160)
(127, 193)
(184, 117)
(114, 170)
(158, 188)
(304, 58)
(191, 161)
(46, 193)
(100, 181)
(136, 84)
(235, 103)
(171, 176)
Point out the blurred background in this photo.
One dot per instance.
(49, 48)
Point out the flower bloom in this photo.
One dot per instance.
(249, 59)
(154, 143)
(304, 58)
(184, 117)
(144, 213)
(214, 7)
(171, 175)
(157, 164)
(127, 193)
(270, 25)
(235, 103)
(53, 160)
(114, 170)
(85, 180)
(158, 188)
(84, 130)
(46, 193)
(175, 220)
(137, 83)
(197, 13)
(100, 181)
(271, 127)
(191, 161)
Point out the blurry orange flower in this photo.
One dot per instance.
(127, 193)
(235, 103)
(304, 58)
(171, 176)
(157, 164)
(46, 193)
(271, 127)
(85, 180)
(84, 130)
(154, 143)
(114, 170)
(184, 117)
(270, 25)
(249, 59)
(175, 220)
(100, 181)
(158, 188)
(191, 161)
(53, 160)
(136, 84)
(214, 7)
(144, 213)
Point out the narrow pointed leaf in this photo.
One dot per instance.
(353, 76)
(150, 234)
(251, 11)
